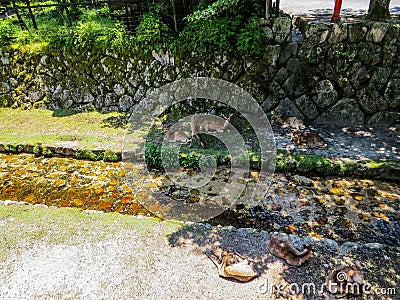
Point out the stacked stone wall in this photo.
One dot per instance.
(341, 74)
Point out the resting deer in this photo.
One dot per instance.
(292, 122)
(345, 280)
(308, 140)
(177, 137)
(280, 247)
(235, 266)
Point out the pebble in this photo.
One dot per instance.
(41, 205)
(12, 202)
(302, 180)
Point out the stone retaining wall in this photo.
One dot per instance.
(341, 74)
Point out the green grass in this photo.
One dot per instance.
(87, 130)
(90, 28)
(21, 225)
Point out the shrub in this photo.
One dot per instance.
(47, 152)
(209, 34)
(87, 154)
(250, 39)
(153, 155)
(6, 33)
(152, 34)
(110, 155)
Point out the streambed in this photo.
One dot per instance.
(344, 209)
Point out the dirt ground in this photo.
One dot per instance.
(50, 253)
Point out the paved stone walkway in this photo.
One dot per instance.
(349, 7)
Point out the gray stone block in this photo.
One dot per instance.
(287, 108)
(346, 113)
(307, 107)
(325, 93)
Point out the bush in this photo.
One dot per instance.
(152, 34)
(118, 37)
(250, 39)
(209, 35)
(111, 156)
(6, 33)
(88, 154)
(153, 155)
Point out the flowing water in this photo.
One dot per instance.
(344, 209)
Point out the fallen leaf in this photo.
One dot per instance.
(316, 235)
(154, 207)
(111, 189)
(59, 182)
(379, 215)
(99, 191)
(29, 198)
(64, 203)
(114, 182)
(291, 229)
(135, 206)
(78, 202)
(74, 179)
(105, 205)
(127, 199)
(336, 191)
(150, 185)
(102, 177)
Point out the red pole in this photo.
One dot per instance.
(336, 11)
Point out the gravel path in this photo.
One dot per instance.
(358, 143)
(295, 7)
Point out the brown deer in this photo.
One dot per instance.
(211, 125)
(235, 266)
(280, 247)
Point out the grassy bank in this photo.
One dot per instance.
(21, 225)
(60, 127)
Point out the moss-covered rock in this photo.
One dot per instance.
(111, 156)
(88, 154)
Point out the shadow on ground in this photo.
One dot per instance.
(378, 263)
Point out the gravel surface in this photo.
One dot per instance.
(161, 263)
(359, 143)
(294, 7)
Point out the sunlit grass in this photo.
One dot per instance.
(87, 130)
(21, 225)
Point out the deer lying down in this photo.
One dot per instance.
(345, 280)
(291, 122)
(177, 137)
(308, 140)
(280, 247)
(235, 266)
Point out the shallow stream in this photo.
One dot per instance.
(344, 209)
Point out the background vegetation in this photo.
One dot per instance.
(157, 25)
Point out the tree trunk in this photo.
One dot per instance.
(174, 16)
(20, 20)
(31, 15)
(378, 10)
